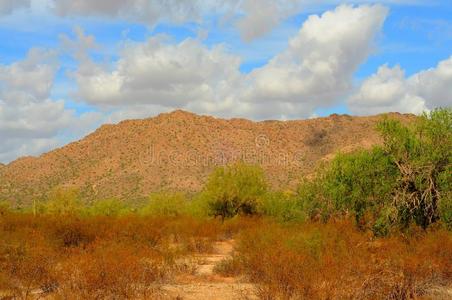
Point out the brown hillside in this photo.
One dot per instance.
(178, 150)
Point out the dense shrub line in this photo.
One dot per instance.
(99, 257)
(406, 180)
(335, 260)
(370, 224)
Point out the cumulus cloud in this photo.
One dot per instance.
(261, 16)
(253, 18)
(156, 72)
(313, 71)
(319, 63)
(8, 6)
(29, 120)
(390, 90)
(148, 12)
(434, 85)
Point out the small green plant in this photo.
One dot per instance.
(235, 189)
(63, 201)
(4, 208)
(166, 204)
(283, 206)
(108, 207)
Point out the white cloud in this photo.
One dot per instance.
(8, 6)
(261, 16)
(390, 90)
(253, 18)
(319, 63)
(29, 120)
(148, 12)
(313, 71)
(435, 85)
(159, 73)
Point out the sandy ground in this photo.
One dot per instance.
(205, 284)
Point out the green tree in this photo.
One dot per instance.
(234, 189)
(407, 179)
(283, 206)
(358, 184)
(63, 201)
(422, 154)
(108, 207)
(166, 204)
(5, 207)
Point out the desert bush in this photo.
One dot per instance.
(166, 204)
(422, 154)
(63, 201)
(194, 235)
(229, 267)
(406, 180)
(27, 264)
(233, 190)
(337, 261)
(95, 257)
(72, 232)
(130, 256)
(4, 208)
(358, 184)
(283, 206)
(107, 207)
(108, 270)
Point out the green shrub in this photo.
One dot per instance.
(108, 207)
(166, 204)
(4, 208)
(63, 201)
(358, 183)
(284, 207)
(407, 179)
(422, 155)
(233, 190)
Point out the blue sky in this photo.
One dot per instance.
(260, 60)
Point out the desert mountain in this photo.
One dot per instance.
(177, 151)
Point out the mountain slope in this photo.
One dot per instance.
(178, 150)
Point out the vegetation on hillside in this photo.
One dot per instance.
(371, 224)
(405, 181)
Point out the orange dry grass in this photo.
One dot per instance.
(132, 256)
(336, 261)
(95, 258)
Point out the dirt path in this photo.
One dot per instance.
(205, 284)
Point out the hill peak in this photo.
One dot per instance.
(179, 114)
(179, 149)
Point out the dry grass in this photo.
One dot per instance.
(336, 261)
(132, 257)
(97, 257)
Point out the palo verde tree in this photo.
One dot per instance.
(166, 204)
(63, 201)
(360, 183)
(407, 179)
(422, 154)
(234, 189)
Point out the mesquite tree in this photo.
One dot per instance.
(422, 154)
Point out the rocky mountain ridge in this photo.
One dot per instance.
(178, 150)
